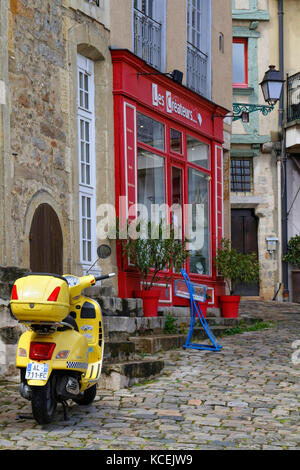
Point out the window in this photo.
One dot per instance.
(86, 152)
(221, 42)
(163, 171)
(198, 45)
(145, 7)
(197, 152)
(149, 31)
(150, 132)
(240, 62)
(198, 189)
(241, 175)
(151, 179)
(176, 141)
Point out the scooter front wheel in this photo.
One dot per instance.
(43, 403)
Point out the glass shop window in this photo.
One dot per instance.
(150, 132)
(176, 141)
(199, 247)
(197, 152)
(151, 179)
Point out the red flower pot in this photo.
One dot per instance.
(230, 305)
(150, 301)
(203, 307)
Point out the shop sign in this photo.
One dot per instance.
(171, 104)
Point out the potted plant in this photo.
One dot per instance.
(155, 251)
(234, 267)
(293, 257)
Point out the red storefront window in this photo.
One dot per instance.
(168, 155)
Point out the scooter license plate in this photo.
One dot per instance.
(36, 371)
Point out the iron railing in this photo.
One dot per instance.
(197, 70)
(293, 97)
(147, 39)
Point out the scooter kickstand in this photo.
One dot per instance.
(23, 416)
(65, 408)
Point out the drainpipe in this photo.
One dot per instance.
(284, 157)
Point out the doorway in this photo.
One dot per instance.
(244, 225)
(46, 241)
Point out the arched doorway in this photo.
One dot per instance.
(46, 241)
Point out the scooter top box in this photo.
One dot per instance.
(39, 297)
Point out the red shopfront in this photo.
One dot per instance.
(168, 150)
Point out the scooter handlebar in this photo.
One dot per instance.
(106, 276)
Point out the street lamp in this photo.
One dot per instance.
(271, 87)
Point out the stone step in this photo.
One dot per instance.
(117, 351)
(154, 344)
(124, 374)
(122, 328)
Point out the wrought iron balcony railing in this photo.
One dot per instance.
(197, 70)
(147, 39)
(293, 97)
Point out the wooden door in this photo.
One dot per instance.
(46, 241)
(244, 226)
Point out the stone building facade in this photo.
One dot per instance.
(45, 48)
(57, 154)
(255, 168)
(265, 32)
(40, 141)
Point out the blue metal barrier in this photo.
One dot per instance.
(196, 291)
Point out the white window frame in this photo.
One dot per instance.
(87, 189)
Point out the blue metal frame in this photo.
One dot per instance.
(195, 309)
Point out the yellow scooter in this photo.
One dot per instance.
(60, 354)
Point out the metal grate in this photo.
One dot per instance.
(147, 39)
(197, 67)
(293, 97)
(241, 175)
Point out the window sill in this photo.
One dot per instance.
(245, 91)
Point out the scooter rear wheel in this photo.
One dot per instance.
(86, 397)
(43, 403)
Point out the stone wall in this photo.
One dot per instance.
(42, 40)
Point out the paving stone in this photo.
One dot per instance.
(245, 397)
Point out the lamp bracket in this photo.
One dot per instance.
(238, 108)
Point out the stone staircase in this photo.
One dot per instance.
(132, 340)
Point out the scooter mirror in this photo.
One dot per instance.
(103, 251)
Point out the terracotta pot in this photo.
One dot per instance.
(230, 305)
(203, 307)
(150, 301)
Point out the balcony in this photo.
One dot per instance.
(293, 113)
(197, 70)
(293, 97)
(147, 39)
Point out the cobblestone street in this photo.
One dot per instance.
(244, 397)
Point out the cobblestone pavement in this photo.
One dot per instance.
(244, 397)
